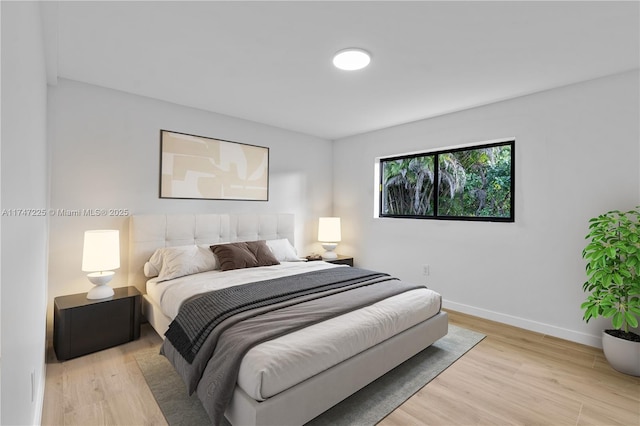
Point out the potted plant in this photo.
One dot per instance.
(613, 284)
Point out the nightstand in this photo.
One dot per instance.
(82, 326)
(341, 260)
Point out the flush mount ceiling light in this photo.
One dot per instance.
(351, 59)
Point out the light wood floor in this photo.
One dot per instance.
(512, 377)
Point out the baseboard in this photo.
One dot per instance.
(538, 327)
(39, 397)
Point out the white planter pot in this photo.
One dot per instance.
(623, 355)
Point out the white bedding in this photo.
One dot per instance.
(276, 365)
(172, 293)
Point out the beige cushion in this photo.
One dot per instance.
(173, 262)
(283, 250)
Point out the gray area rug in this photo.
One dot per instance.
(366, 407)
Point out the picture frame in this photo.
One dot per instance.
(205, 168)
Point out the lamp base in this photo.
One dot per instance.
(100, 292)
(329, 253)
(101, 289)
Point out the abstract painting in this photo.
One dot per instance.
(198, 167)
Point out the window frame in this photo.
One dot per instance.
(436, 157)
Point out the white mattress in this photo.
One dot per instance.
(276, 365)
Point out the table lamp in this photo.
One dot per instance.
(329, 235)
(100, 255)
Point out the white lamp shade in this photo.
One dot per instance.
(101, 250)
(329, 229)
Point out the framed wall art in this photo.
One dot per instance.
(198, 167)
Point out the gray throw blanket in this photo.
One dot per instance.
(215, 367)
(199, 316)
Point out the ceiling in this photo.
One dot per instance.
(270, 62)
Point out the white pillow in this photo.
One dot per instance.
(150, 270)
(173, 262)
(283, 250)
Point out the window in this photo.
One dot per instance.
(471, 183)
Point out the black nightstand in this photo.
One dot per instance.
(341, 260)
(82, 326)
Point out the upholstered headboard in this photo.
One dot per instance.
(150, 232)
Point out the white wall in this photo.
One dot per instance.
(24, 238)
(106, 154)
(577, 155)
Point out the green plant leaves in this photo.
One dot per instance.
(617, 320)
(631, 319)
(613, 268)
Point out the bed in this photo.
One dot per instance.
(278, 383)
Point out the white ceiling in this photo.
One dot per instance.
(270, 62)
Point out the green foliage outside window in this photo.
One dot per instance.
(408, 186)
(471, 183)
